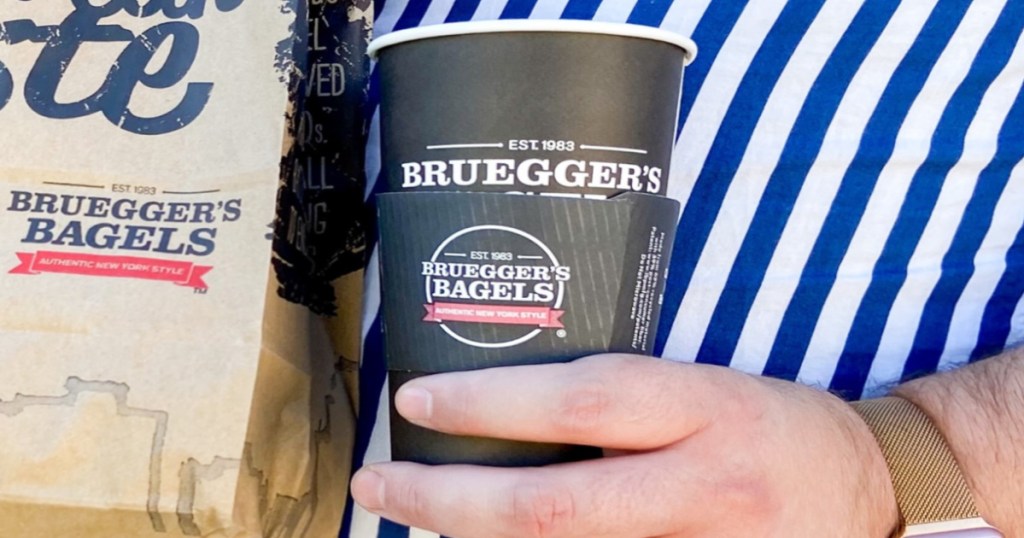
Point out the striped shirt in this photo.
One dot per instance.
(851, 181)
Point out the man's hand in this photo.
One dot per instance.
(694, 451)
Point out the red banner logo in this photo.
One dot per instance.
(540, 316)
(180, 273)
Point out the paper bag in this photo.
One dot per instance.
(159, 376)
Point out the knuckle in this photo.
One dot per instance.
(454, 409)
(747, 492)
(411, 501)
(541, 511)
(738, 398)
(609, 390)
(736, 408)
(611, 363)
(584, 406)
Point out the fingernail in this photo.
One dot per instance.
(414, 403)
(368, 489)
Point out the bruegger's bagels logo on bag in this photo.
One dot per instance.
(494, 287)
(171, 44)
(121, 233)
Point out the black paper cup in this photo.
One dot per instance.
(481, 280)
(566, 107)
(582, 113)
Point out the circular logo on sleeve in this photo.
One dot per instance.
(494, 287)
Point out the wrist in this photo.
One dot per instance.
(849, 450)
(978, 409)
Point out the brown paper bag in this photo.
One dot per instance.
(158, 379)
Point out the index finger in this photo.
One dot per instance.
(611, 401)
(612, 497)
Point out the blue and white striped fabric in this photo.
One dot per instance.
(852, 186)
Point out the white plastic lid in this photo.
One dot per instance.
(535, 25)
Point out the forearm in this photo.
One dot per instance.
(980, 410)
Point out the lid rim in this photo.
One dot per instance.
(534, 25)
